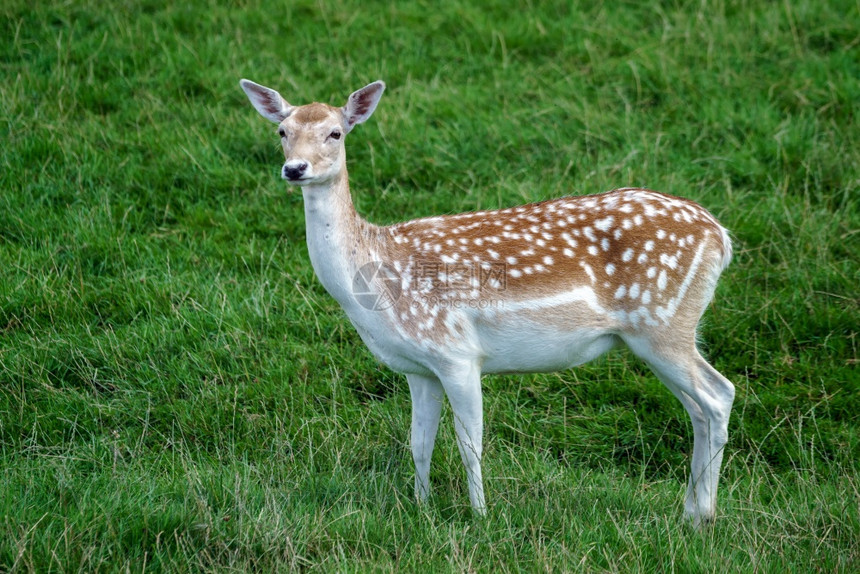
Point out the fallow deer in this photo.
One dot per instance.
(533, 288)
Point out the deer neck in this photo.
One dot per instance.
(339, 240)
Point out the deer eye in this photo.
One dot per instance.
(335, 134)
(282, 132)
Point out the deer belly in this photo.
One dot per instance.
(519, 344)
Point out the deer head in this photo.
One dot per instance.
(313, 135)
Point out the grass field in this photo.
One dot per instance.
(178, 393)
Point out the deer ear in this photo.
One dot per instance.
(362, 103)
(267, 101)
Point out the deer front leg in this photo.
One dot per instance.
(426, 407)
(463, 389)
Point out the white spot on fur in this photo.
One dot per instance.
(662, 280)
(670, 262)
(604, 224)
(589, 271)
(589, 234)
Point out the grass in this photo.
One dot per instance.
(178, 393)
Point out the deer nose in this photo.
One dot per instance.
(294, 170)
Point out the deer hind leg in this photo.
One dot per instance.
(426, 408)
(707, 396)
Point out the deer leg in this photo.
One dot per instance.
(707, 396)
(719, 395)
(426, 407)
(463, 389)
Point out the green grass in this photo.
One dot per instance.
(178, 392)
